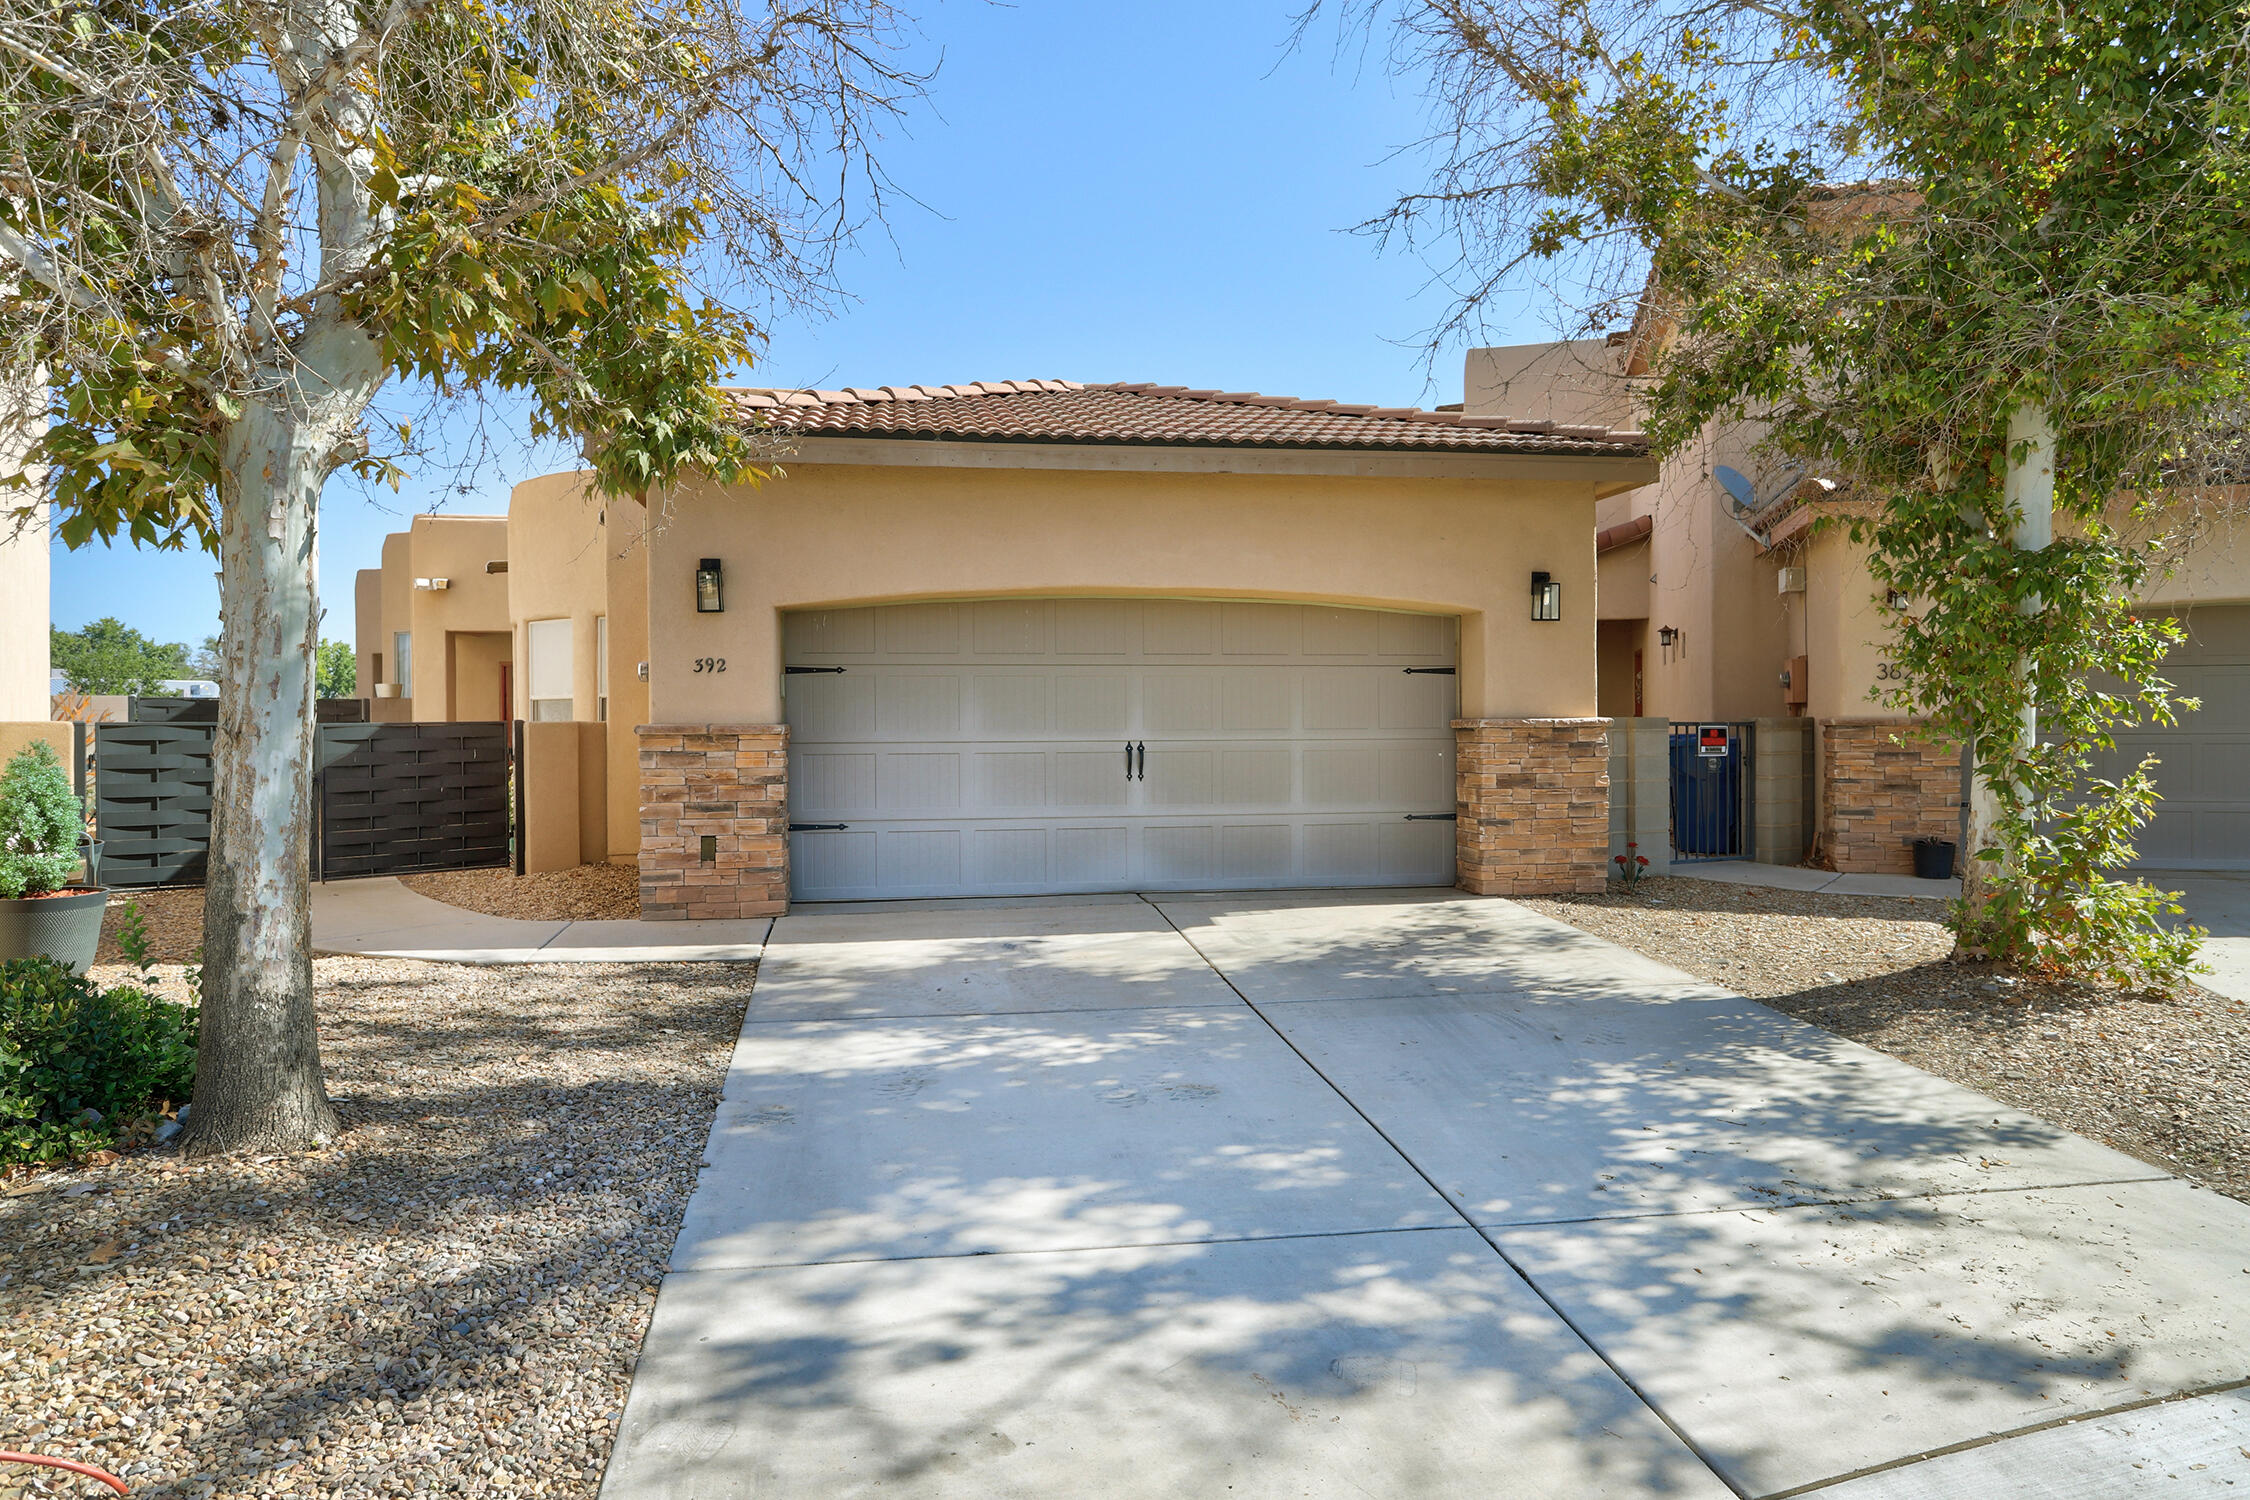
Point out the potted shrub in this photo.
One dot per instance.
(41, 821)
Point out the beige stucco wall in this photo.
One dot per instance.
(24, 618)
(455, 548)
(1571, 382)
(1624, 580)
(15, 734)
(370, 637)
(574, 555)
(478, 660)
(842, 534)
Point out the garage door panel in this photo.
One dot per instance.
(1009, 857)
(1087, 778)
(1095, 627)
(1339, 632)
(918, 707)
(1180, 629)
(827, 780)
(1093, 705)
(1341, 699)
(1341, 777)
(1426, 637)
(1175, 702)
(1010, 627)
(1414, 700)
(828, 632)
(923, 782)
(1258, 630)
(980, 748)
(1259, 778)
(2203, 819)
(1179, 777)
(1264, 703)
(918, 630)
(1418, 853)
(1014, 705)
(1256, 852)
(840, 864)
(831, 707)
(1096, 857)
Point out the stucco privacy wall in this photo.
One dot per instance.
(832, 535)
(578, 556)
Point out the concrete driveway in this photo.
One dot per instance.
(1395, 1194)
(2220, 904)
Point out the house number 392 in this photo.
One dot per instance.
(710, 664)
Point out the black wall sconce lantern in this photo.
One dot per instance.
(707, 600)
(1546, 597)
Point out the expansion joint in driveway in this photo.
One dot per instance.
(1654, 1407)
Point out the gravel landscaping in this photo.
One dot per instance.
(589, 893)
(450, 1299)
(2166, 1080)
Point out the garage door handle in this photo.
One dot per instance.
(818, 827)
(1128, 760)
(1142, 750)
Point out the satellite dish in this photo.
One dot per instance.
(1738, 487)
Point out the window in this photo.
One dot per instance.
(402, 652)
(547, 642)
(601, 668)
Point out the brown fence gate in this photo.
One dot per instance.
(398, 798)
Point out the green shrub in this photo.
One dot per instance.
(41, 820)
(80, 1065)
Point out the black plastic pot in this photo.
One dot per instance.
(1933, 858)
(66, 926)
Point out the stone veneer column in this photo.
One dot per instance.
(1533, 805)
(1883, 784)
(725, 782)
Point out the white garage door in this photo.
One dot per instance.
(1019, 746)
(2204, 820)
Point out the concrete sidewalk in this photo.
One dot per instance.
(1401, 1194)
(380, 918)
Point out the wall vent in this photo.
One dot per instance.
(1791, 580)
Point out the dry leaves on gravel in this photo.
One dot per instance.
(450, 1299)
(2167, 1081)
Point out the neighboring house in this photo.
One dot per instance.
(433, 630)
(1715, 611)
(1033, 636)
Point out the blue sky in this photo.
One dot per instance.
(1159, 191)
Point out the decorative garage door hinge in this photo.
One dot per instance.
(796, 671)
(1409, 671)
(818, 827)
(1433, 817)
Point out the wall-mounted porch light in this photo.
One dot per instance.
(1667, 635)
(707, 601)
(1546, 597)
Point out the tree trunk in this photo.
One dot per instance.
(258, 1080)
(2029, 488)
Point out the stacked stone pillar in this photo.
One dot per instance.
(714, 820)
(1533, 805)
(1883, 784)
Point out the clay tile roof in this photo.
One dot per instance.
(1141, 414)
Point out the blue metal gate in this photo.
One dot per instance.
(1711, 791)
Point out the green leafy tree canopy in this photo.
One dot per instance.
(337, 670)
(109, 656)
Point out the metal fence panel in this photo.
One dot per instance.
(1712, 789)
(152, 802)
(396, 798)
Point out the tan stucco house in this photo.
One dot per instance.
(1711, 610)
(1035, 636)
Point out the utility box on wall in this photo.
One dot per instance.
(1793, 680)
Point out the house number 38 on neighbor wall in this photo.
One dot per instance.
(710, 664)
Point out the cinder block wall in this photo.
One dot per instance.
(1640, 791)
(1782, 796)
